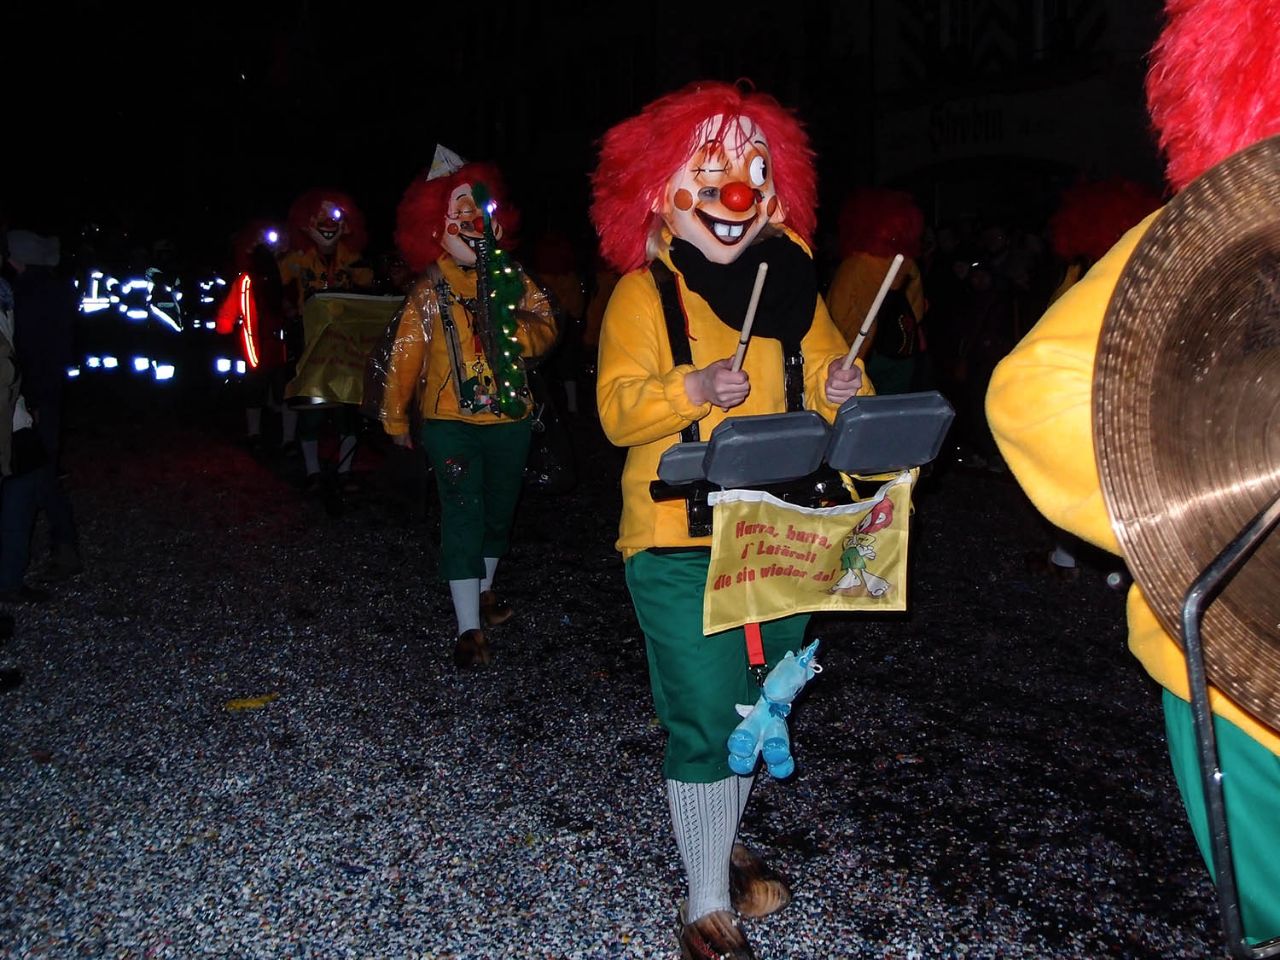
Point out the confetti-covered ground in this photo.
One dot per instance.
(241, 735)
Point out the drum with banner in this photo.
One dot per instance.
(340, 331)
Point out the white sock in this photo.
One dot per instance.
(288, 424)
(466, 603)
(705, 819)
(346, 454)
(311, 456)
(490, 567)
(253, 421)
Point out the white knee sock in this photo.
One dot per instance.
(705, 819)
(466, 603)
(346, 454)
(311, 456)
(490, 568)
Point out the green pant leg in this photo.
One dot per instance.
(506, 451)
(310, 423)
(1251, 794)
(695, 680)
(457, 460)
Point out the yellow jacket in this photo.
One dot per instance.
(310, 272)
(1040, 408)
(420, 362)
(642, 401)
(855, 285)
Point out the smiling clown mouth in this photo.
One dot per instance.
(327, 232)
(727, 232)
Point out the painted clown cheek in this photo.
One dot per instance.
(683, 199)
(453, 229)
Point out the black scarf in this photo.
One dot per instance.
(787, 300)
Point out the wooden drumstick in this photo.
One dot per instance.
(871, 314)
(751, 316)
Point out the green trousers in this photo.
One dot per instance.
(1251, 794)
(696, 680)
(479, 475)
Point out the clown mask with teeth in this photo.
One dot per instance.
(723, 196)
(327, 227)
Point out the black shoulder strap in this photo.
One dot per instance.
(677, 335)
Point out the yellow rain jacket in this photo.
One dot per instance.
(420, 363)
(642, 401)
(1040, 408)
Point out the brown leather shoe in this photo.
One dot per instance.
(472, 650)
(717, 936)
(494, 611)
(755, 889)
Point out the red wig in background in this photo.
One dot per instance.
(309, 204)
(421, 211)
(1093, 214)
(881, 222)
(639, 156)
(1214, 83)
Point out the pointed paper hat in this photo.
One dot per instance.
(444, 163)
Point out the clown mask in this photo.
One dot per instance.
(326, 227)
(464, 226)
(723, 195)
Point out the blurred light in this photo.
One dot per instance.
(110, 363)
(222, 365)
(337, 213)
(272, 237)
(73, 372)
(141, 363)
(211, 324)
(135, 314)
(239, 366)
(165, 318)
(164, 371)
(93, 362)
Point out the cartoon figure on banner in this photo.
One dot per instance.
(859, 547)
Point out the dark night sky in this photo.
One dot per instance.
(188, 120)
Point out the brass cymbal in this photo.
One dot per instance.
(1186, 413)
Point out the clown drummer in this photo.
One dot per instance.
(690, 198)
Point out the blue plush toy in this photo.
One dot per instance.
(763, 730)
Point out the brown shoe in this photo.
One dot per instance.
(472, 650)
(494, 611)
(755, 889)
(717, 936)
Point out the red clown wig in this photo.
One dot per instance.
(421, 212)
(309, 204)
(1214, 83)
(639, 156)
(1093, 214)
(881, 222)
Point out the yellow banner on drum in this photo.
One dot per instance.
(770, 559)
(340, 331)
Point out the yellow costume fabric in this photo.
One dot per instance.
(420, 363)
(1039, 405)
(854, 288)
(642, 401)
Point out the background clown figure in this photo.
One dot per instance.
(254, 309)
(326, 240)
(875, 225)
(690, 197)
(463, 335)
(1213, 89)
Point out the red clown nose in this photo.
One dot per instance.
(737, 196)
